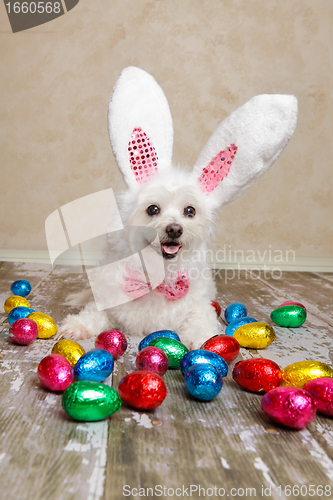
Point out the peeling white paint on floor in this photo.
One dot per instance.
(16, 384)
(142, 419)
(224, 463)
(248, 441)
(51, 399)
(96, 439)
(260, 465)
(300, 344)
(317, 452)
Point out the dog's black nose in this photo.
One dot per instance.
(174, 231)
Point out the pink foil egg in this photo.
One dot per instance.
(55, 372)
(321, 391)
(152, 359)
(112, 341)
(23, 331)
(289, 406)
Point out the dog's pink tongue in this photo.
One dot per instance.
(170, 249)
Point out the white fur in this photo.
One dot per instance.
(260, 129)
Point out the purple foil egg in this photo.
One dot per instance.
(289, 406)
(112, 341)
(321, 391)
(23, 331)
(152, 359)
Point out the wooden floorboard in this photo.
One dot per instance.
(227, 442)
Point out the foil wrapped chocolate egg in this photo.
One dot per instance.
(290, 316)
(232, 327)
(290, 303)
(24, 331)
(89, 401)
(257, 374)
(55, 373)
(143, 390)
(19, 313)
(112, 341)
(207, 357)
(289, 406)
(217, 308)
(321, 391)
(234, 311)
(152, 359)
(225, 346)
(300, 373)
(46, 325)
(255, 335)
(155, 335)
(174, 349)
(203, 381)
(69, 349)
(95, 365)
(21, 288)
(15, 301)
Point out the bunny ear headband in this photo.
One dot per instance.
(241, 149)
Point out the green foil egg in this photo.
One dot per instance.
(174, 349)
(289, 316)
(89, 401)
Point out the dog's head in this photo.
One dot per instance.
(178, 205)
(176, 208)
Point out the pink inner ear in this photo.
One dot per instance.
(217, 169)
(142, 156)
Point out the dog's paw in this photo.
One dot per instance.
(73, 329)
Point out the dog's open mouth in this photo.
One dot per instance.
(170, 249)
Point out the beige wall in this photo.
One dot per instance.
(210, 57)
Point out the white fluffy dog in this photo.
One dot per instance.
(177, 206)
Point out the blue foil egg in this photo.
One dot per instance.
(19, 313)
(234, 311)
(95, 365)
(21, 288)
(203, 381)
(207, 357)
(160, 333)
(232, 327)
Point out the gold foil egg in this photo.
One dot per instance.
(46, 325)
(254, 335)
(69, 349)
(15, 301)
(299, 374)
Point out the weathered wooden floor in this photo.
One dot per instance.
(227, 444)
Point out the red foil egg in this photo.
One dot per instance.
(55, 372)
(143, 390)
(112, 341)
(152, 359)
(257, 374)
(23, 331)
(224, 345)
(321, 391)
(289, 406)
(217, 308)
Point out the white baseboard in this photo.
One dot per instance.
(302, 264)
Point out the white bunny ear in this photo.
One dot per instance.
(140, 126)
(244, 146)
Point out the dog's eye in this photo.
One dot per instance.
(153, 210)
(189, 212)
